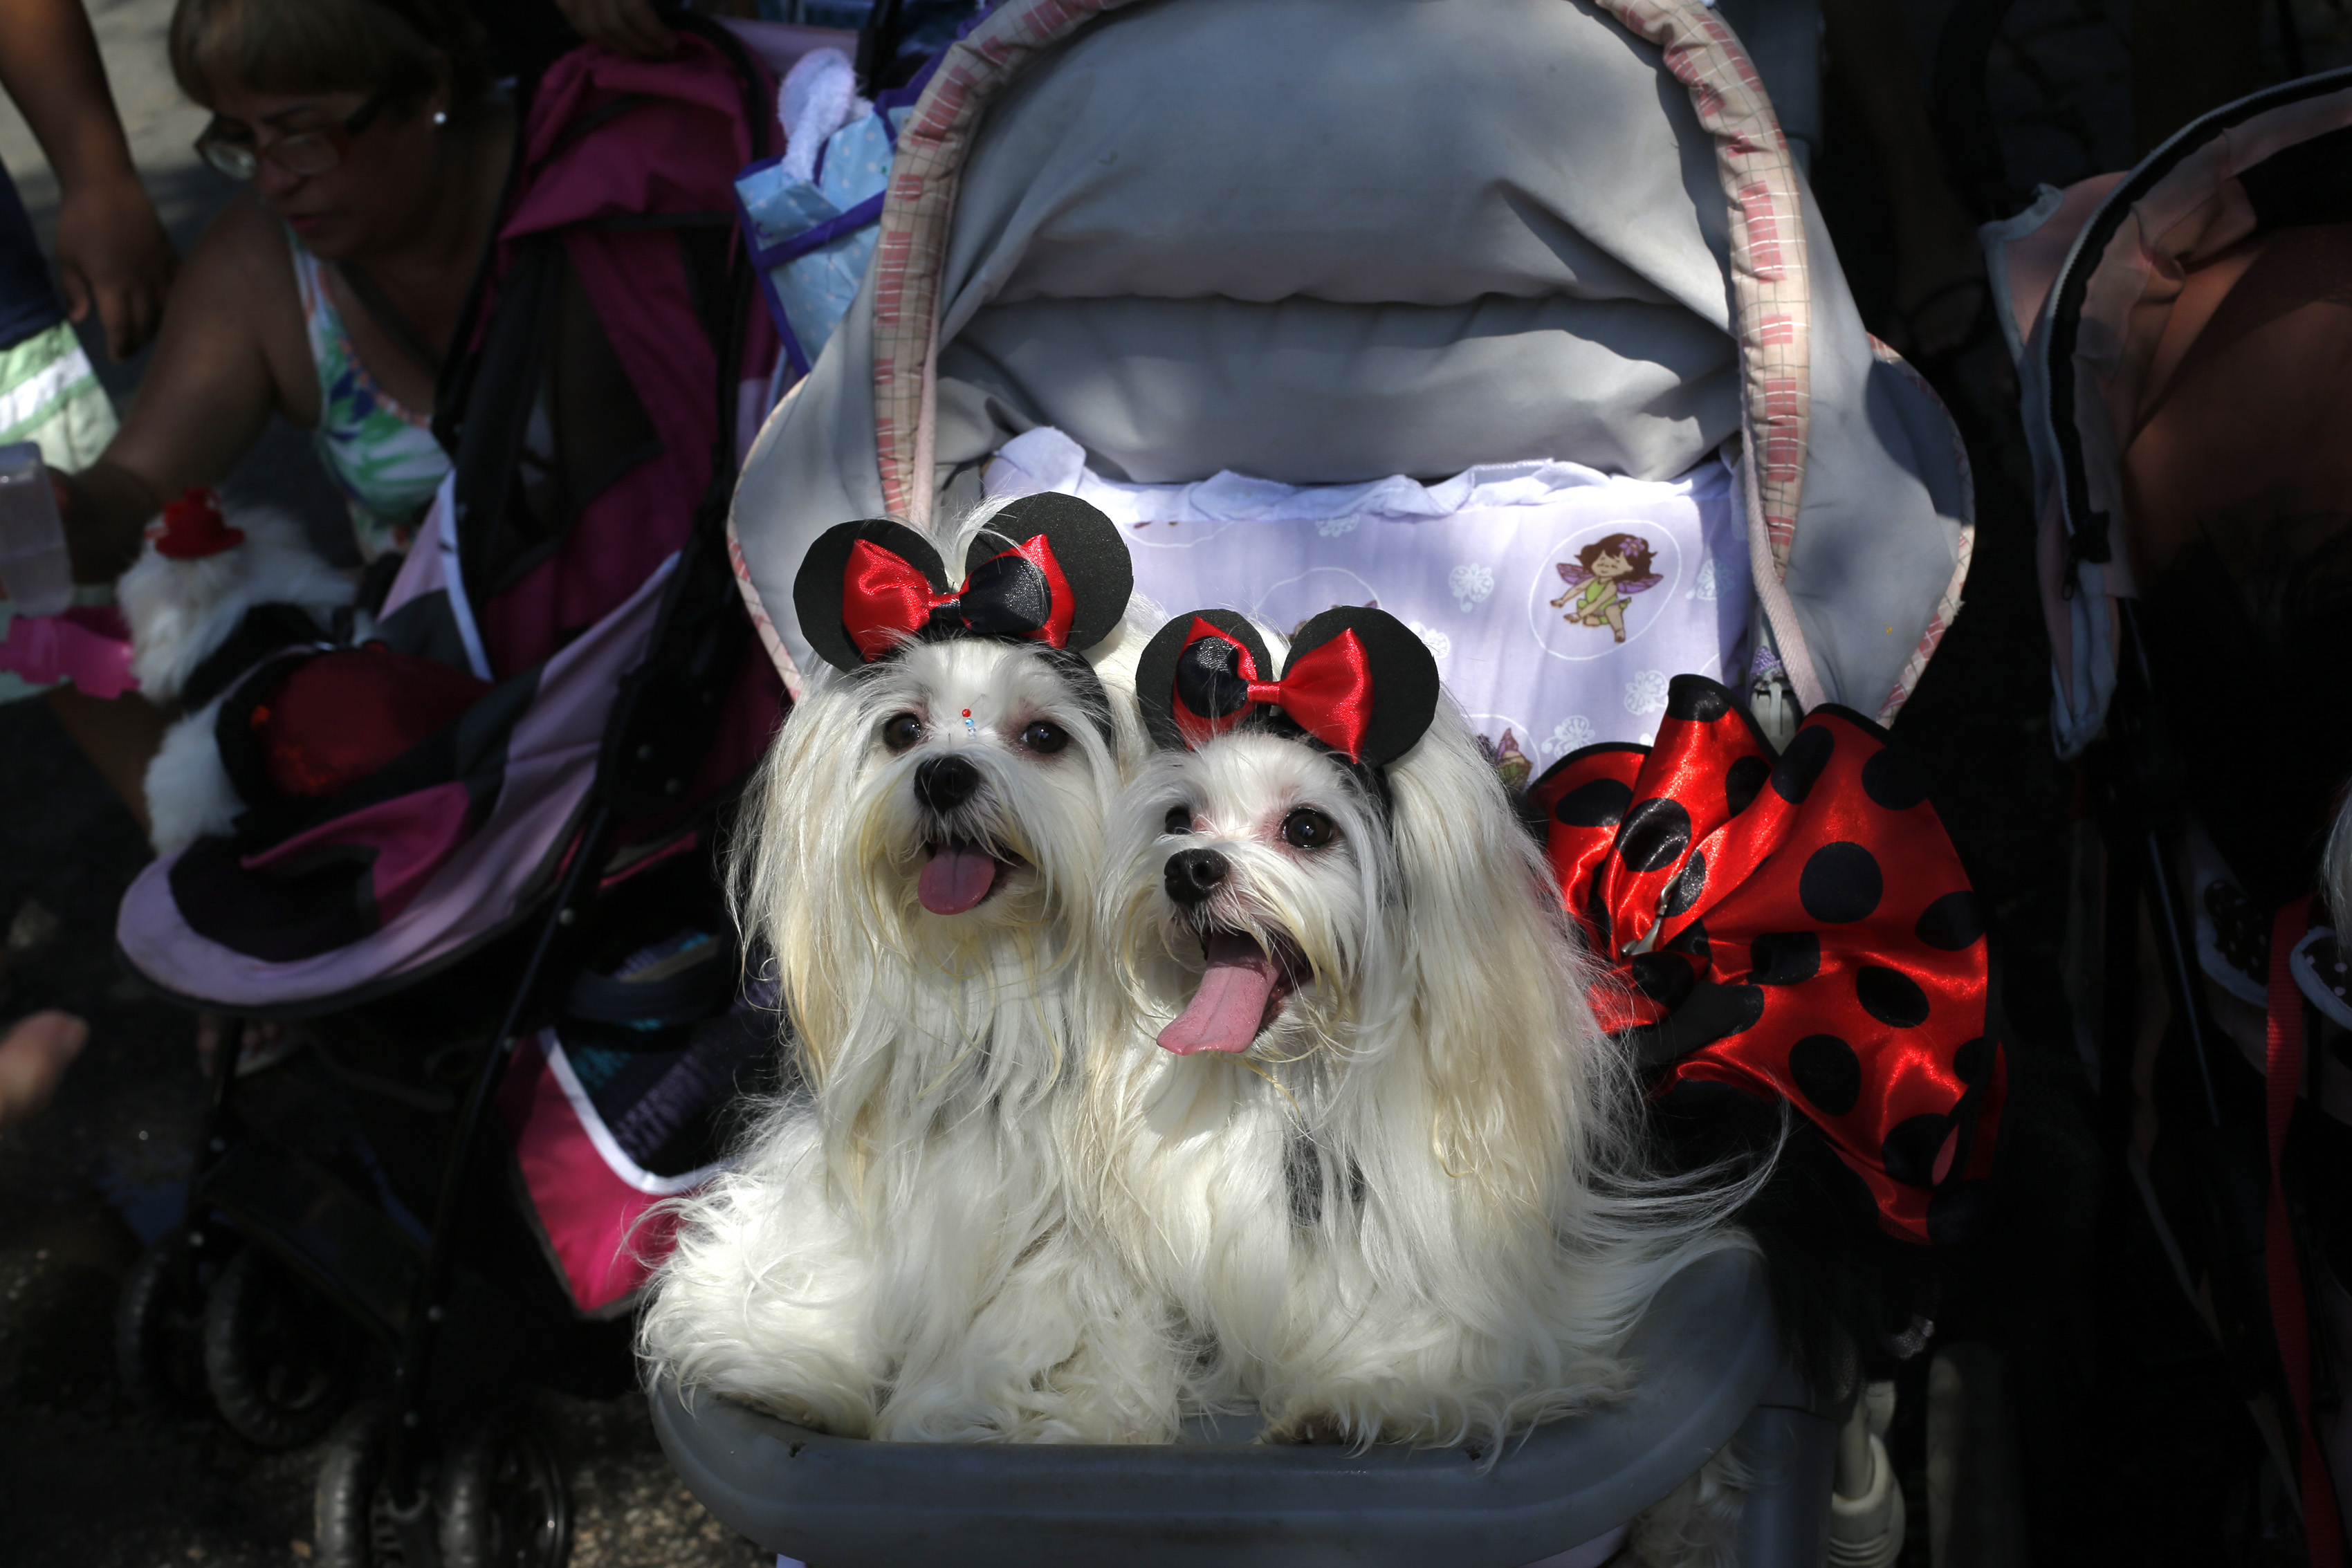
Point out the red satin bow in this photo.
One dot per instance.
(1796, 928)
(1326, 691)
(886, 598)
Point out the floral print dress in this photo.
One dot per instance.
(382, 456)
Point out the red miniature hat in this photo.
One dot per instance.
(193, 526)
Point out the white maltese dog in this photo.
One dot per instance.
(207, 602)
(896, 1255)
(1363, 1129)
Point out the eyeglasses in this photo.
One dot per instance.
(300, 152)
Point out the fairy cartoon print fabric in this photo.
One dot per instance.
(1815, 940)
(1559, 602)
(1604, 578)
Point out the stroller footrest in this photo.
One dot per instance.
(351, 1250)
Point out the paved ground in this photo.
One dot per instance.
(86, 1481)
(2126, 1428)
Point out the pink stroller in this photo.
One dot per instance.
(475, 850)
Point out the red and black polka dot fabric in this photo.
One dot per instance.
(1816, 939)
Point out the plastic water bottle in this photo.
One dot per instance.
(34, 568)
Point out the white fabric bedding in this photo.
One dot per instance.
(1474, 564)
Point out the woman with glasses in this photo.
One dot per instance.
(329, 290)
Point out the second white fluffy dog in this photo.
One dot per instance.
(1364, 1130)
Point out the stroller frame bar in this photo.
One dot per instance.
(666, 713)
(424, 1309)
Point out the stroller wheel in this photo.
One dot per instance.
(158, 1323)
(503, 1501)
(277, 1358)
(354, 1522)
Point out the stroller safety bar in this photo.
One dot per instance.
(1710, 1373)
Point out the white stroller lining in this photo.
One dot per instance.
(1472, 564)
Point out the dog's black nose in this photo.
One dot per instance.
(943, 783)
(1194, 874)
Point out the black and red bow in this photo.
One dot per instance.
(1796, 927)
(1358, 680)
(866, 588)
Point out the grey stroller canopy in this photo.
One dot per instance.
(1325, 241)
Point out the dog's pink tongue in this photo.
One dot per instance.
(1228, 1009)
(956, 877)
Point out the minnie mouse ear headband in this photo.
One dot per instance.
(1358, 680)
(866, 588)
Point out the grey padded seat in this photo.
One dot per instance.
(1710, 1369)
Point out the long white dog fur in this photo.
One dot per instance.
(897, 1255)
(1415, 1208)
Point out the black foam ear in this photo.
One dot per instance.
(1086, 544)
(1404, 676)
(817, 590)
(1155, 673)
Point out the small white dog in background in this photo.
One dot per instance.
(191, 600)
(896, 1255)
(1363, 1129)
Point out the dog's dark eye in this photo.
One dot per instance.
(1308, 828)
(901, 731)
(1180, 820)
(1045, 739)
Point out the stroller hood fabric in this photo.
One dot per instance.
(1329, 241)
(2110, 259)
(2184, 342)
(620, 158)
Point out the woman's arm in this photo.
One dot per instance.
(221, 368)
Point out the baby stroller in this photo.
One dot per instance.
(497, 915)
(2178, 331)
(1537, 301)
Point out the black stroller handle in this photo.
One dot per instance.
(664, 717)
